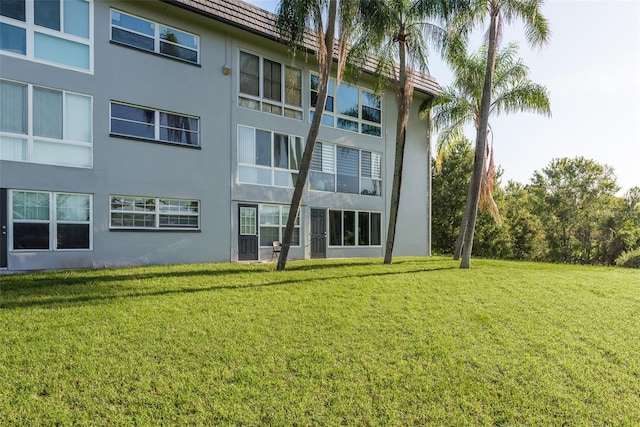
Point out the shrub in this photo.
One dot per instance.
(629, 259)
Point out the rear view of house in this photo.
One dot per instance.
(155, 132)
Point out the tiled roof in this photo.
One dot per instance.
(251, 18)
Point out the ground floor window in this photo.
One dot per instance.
(133, 212)
(354, 228)
(50, 221)
(273, 221)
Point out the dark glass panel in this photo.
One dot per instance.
(335, 228)
(349, 228)
(73, 236)
(13, 39)
(131, 39)
(179, 52)
(363, 228)
(30, 236)
(13, 9)
(281, 151)
(47, 13)
(132, 129)
(129, 112)
(376, 220)
(263, 148)
(249, 74)
(371, 114)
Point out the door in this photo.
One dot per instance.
(4, 224)
(318, 233)
(247, 232)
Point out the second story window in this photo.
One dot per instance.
(53, 31)
(44, 125)
(151, 124)
(268, 158)
(270, 86)
(348, 107)
(154, 37)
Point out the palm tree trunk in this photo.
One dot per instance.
(403, 101)
(305, 164)
(481, 142)
(463, 224)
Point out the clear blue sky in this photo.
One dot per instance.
(592, 70)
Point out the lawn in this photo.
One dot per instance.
(337, 342)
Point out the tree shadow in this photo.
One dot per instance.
(84, 298)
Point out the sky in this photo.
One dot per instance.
(591, 68)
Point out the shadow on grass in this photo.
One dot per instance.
(81, 299)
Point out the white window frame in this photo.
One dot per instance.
(272, 169)
(332, 169)
(156, 124)
(52, 221)
(30, 137)
(29, 26)
(333, 116)
(157, 213)
(356, 227)
(157, 40)
(281, 226)
(267, 105)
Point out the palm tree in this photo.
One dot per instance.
(324, 18)
(459, 104)
(537, 34)
(398, 31)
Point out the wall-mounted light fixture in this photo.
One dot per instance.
(226, 70)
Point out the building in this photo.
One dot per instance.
(164, 132)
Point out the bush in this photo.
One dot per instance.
(629, 259)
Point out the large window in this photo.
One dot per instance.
(153, 37)
(348, 107)
(345, 170)
(268, 158)
(43, 125)
(147, 123)
(131, 212)
(56, 31)
(273, 221)
(270, 86)
(353, 228)
(50, 221)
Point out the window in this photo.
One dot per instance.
(131, 212)
(270, 86)
(56, 31)
(352, 228)
(273, 221)
(42, 125)
(147, 123)
(345, 170)
(153, 37)
(348, 107)
(50, 221)
(268, 158)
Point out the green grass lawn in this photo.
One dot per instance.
(343, 342)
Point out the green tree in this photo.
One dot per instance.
(448, 192)
(399, 31)
(573, 198)
(525, 230)
(537, 34)
(324, 17)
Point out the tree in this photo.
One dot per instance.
(573, 198)
(398, 31)
(460, 104)
(451, 174)
(324, 17)
(537, 34)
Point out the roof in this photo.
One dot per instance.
(253, 19)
